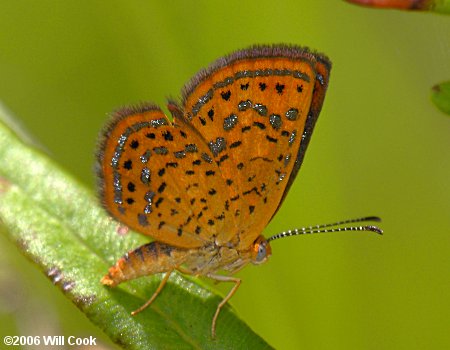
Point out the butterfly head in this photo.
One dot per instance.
(261, 250)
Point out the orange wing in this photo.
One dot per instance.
(261, 105)
(221, 170)
(159, 179)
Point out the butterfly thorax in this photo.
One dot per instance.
(156, 257)
(212, 258)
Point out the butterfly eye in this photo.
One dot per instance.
(261, 250)
(261, 255)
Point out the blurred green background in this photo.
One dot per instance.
(380, 147)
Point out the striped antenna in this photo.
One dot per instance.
(334, 227)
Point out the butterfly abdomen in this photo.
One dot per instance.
(146, 260)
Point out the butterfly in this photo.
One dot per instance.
(205, 185)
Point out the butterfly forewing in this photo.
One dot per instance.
(251, 109)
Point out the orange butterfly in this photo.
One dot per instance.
(207, 184)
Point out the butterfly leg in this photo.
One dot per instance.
(184, 271)
(220, 278)
(155, 294)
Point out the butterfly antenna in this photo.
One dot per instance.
(334, 227)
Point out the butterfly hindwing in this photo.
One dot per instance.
(159, 178)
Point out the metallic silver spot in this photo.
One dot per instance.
(230, 121)
(304, 135)
(244, 105)
(117, 188)
(260, 108)
(191, 148)
(206, 97)
(206, 158)
(158, 122)
(287, 158)
(145, 176)
(148, 208)
(275, 121)
(149, 196)
(292, 114)
(179, 154)
(140, 125)
(160, 150)
(282, 72)
(292, 137)
(122, 140)
(300, 75)
(263, 72)
(115, 159)
(281, 177)
(142, 219)
(320, 79)
(218, 146)
(202, 101)
(145, 157)
(244, 74)
(223, 83)
(124, 137)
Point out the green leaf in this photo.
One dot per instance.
(58, 224)
(440, 95)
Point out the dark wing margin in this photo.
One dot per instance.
(323, 67)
